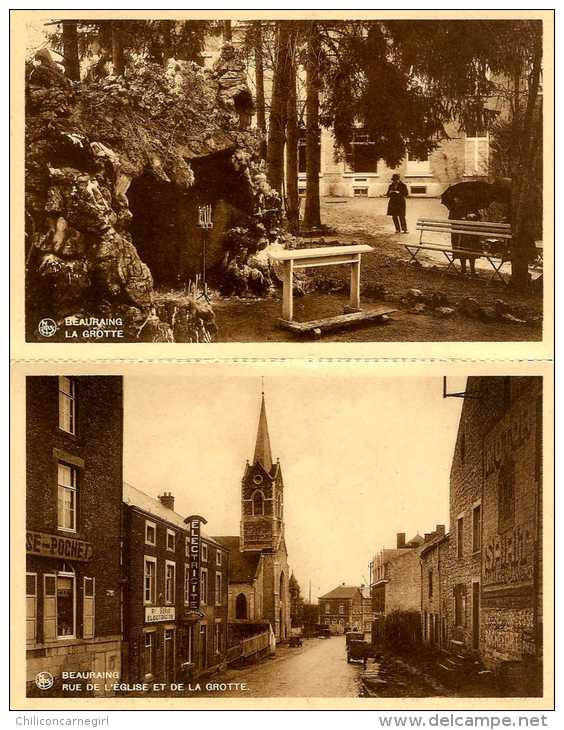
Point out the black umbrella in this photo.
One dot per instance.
(475, 195)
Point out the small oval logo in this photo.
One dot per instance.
(44, 680)
(47, 327)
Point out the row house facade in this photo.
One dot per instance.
(342, 609)
(165, 639)
(73, 528)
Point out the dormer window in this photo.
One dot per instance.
(258, 503)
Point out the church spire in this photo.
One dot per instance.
(263, 455)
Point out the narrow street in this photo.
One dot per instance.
(318, 669)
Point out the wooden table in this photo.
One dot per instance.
(306, 258)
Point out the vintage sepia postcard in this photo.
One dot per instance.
(190, 184)
(282, 536)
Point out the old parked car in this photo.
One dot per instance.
(322, 631)
(358, 650)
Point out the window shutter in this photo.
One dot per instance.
(49, 607)
(88, 608)
(31, 607)
(469, 155)
(483, 155)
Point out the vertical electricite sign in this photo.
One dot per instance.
(195, 526)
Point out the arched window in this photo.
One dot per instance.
(258, 502)
(241, 606)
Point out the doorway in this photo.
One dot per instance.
(476, 615)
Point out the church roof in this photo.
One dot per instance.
(243, 566)
(263, 454)
(342, 592)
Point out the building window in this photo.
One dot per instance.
(327, 609)
(170, 581)
(88, 608)
(189, 644)
(186, 584)
(67, 404)
(430, 584)
(218, 589)
(170, 540)
(341, 609)
(217, 638)
(460, 537)
(149, 654)
(506, 496)
(476, 527)
(417, 166)
(150, 533)
(204, 552)
(361, 154)
(67, 478)
(150, 580)
(31, 607)
(65, 605)
(460, 605)
(258, 502)
(204, 586)
(218, 557)
(476, 156)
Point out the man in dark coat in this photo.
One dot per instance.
(397, 193)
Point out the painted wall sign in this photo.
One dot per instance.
(503, 441)
(194, 562)
(55, 546)
(153, 614)
(509, 558)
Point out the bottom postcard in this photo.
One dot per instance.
(275, 535)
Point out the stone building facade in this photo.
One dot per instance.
(73, 527)
(494, 580)
(164, 640)
(342, 609)
(435, 562)
(259, 580)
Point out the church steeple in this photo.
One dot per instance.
(263, 454)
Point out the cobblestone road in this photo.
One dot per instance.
(318, 669)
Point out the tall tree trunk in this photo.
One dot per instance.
(278, 104)
(259, 82)
(528, 127)
(166, 28)
(71, 61)
(118, 57)
(312, 214)
(292, 197)
(227, 32)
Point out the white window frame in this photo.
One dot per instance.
(151, 634)
(218, 558)
(69, 398)
(327, 609)
(149, 524)
(476, 166)
(50, 596)
(204, 593)
(218, 594)
(204, 552)
(416, 167)
(85, 634)
(30, 640)
(342, 609)
(73, 489)
(66, 574)
(170, 600)
(169, 534)
(153, 589)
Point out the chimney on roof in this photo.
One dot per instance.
(401, 540)
(440, 530)
(428, 536)
(167, 500)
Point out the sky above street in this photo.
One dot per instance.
(362, 458)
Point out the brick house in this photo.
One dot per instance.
(396, 580)
(164, 641)
(435, 561)
(494, 581)
(73, 526)
(342, 609)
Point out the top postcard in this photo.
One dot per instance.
(282, 184)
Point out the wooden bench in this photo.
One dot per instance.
(306, 258)
(490, 234)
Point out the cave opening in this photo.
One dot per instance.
(164, 224)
